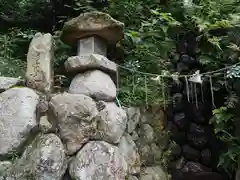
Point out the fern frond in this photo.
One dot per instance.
(231, 100)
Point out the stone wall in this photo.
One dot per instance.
(81, 133)
(197, 148)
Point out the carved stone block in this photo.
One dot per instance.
(92, 45)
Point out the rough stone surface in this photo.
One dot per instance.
(180, 120)
(44, 159)
(195, 167)
(178, 164)
(4, 165)
(112, 122)
(198, 141)
(98, 160)
(146, 133)
(95, 84)
(40, 63)
(17, 117)
(92, 45)
(153, 173)
(190, 153)
(73, 114)
(8, 82)
(43, 103)
(92, 23)
(135, 136)
(206, 157)
(129, 149)
(149, 153)
(132, 178)
(133, 118)
(45, 125)
(94, 61)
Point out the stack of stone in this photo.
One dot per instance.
(87, 114)
(83, 134)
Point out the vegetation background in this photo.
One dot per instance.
(153, 28)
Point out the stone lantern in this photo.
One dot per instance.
(92, 32)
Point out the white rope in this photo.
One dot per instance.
(211, 87)
(170, 76)
(187, 88)
(191, 88)
(195, 92)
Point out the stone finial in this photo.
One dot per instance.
(92, 24)
(40, 73)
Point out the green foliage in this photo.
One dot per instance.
(224, 122)
(13, 48)
(148, 47)
(224, 126)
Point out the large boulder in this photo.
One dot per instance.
(130, 152)
(92, 23)
(4, 165)
(153, 173)
(111, 122)
(8, 82)
(73, 115)
(40, 63)
(43, 159)
(17, 117)
(95, 84)
(98, 160)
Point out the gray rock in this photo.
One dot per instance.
(43, 103)
(133, 118)
(132, 178)
(40, 63)
(98, 160)
(92, 23)
(95, 84)
(17, 117)
(94, 61)
(130, 152)
(44, 159)
(112, 122)
(4, 165)
(149, 153)
(135, 136)
(153, 173)
(8, 82)
(45, 125)
(73, 114)
(156, 153)
(195, 167)
(178, 164)
(146, 133)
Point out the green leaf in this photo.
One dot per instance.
(215, 41)
(205, 59)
